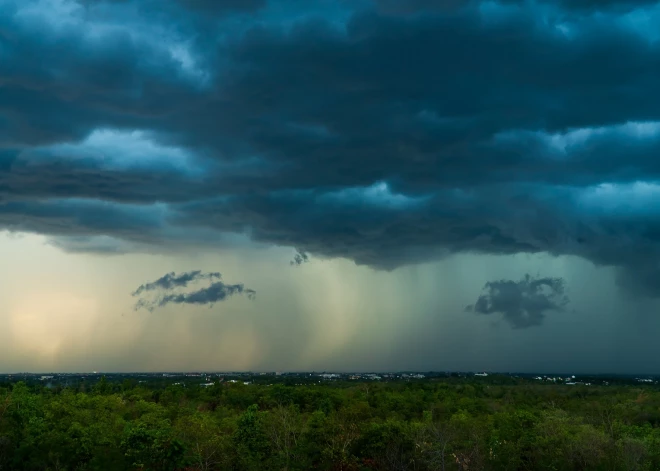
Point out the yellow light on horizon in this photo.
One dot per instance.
(43, 322)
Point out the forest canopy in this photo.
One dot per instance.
(415, 425)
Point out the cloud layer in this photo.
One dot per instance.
(164, 286)
(386, 132)
(523, 303)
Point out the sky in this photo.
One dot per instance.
(287, 185)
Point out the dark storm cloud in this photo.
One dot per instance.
(82, 217)
(419, 6)
(612, 6)
(172, 280)
(100, 245)
(581, 6)
(215, 6)
(364, 131)
(83, 78)
(217, 290)
(210, 6)
(523, 303)
(369, 232)
(61, 179)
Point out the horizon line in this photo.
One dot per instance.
(311, 372)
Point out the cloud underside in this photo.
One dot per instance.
(363, 130)
(167, 290)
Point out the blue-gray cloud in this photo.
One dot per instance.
(386, 132)
(164, 286)
(210, 295)
(299, 258)
(523, 303)
(172, 280)
(407, 7)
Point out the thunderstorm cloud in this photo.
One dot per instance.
(384, 132)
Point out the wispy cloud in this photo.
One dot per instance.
(172, 280)
(217, 291)
(299, 258)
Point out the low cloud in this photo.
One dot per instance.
(299, 258)
(172, 280)
(523, 303)
(217, 291)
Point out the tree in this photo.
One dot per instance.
(468, 440)
(103, 386)
(251, 440)
(343, 433)
(208, 447)
(434, 445)
(153, 446)
(285, 430)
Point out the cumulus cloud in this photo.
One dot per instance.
(523, 303)
(359, 130)
(217, 290)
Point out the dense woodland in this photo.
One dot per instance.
(424, 425)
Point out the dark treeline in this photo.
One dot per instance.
(416, 426)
